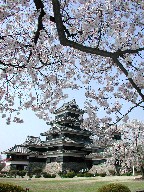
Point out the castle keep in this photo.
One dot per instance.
(65, 148)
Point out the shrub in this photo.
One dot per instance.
(127, 174)
(96, 174)
(37, 175)
(37, 171)
(70, 174)
(88, 175)
(2, 175)
(13, 173)
(112, 172)
(102, 174)
(21, 173)
(53, 176)
(60, 173)
(114, 187)
(30, 175)
(80, 175)
(5, 187)
(47, 175)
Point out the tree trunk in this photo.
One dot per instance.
(117, 168)
(142, 171)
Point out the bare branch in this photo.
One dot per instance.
(11, 65)
(120, 53)
(39, 6)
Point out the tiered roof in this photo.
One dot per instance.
(65, 129)
(70, 106)
(73, 123)
(31, 140)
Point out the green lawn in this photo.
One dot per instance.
(68, 185)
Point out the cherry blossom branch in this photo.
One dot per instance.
(120, 53)
(43, 63)
(16, 41)
(11, 65)
(116, 61)
(140, 56)
(30, 54)
(66, 30)
(39, 6)
(137, 105)
(100, 30)
(65, 42)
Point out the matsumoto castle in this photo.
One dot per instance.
(66, 147)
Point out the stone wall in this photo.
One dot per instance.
(55, 167)
(75, 166)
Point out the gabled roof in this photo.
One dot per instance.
(17, 149)
(23, 148)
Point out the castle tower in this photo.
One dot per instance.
(65, 147)
(66, 142)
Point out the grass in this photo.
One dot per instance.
(69, 185)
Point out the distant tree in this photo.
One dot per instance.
(49, 46)
(129, 151)
(2, 163)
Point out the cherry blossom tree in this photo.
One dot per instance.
(2, 163)
(49, 46)
(129, 151)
